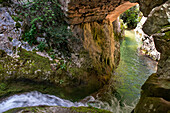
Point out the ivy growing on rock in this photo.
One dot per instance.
(44, 18)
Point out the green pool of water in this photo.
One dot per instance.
(133, 69)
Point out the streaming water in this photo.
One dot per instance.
(133, 70)
(35, 99)
(131, 73)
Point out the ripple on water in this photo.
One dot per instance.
(35, 99)
(133, 69)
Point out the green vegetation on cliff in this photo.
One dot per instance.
(43, 19)
(131, 17)
(167, 35)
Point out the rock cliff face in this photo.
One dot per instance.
(156, 90)
(98, 40)
(146, 6)
(160, 17)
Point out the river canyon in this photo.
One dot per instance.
(97, 69)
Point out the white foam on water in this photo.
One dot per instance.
(114, 106)
(35, 99)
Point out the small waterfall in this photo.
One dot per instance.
(35, 99)
(38, 99)
(115, 106)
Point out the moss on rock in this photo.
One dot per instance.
(57, 109)
(18, 25)
(167, 35)
(38, 61)
(88, 110)
(31, 72)
(27, 73)
(29, 66)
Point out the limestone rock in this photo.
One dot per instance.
(163, 45)
(148, 48)
(153, 105)
(119, 10)
(159, 17)
(155, 96)
(57, 109)
(7, 29)
(155, 91)
(98, 40)
(80, 11)
(146, 6)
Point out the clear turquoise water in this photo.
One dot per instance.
(133, 69)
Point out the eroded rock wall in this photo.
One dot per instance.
(155, 95)
(98, 40)
(157, 19)
(146, 6)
